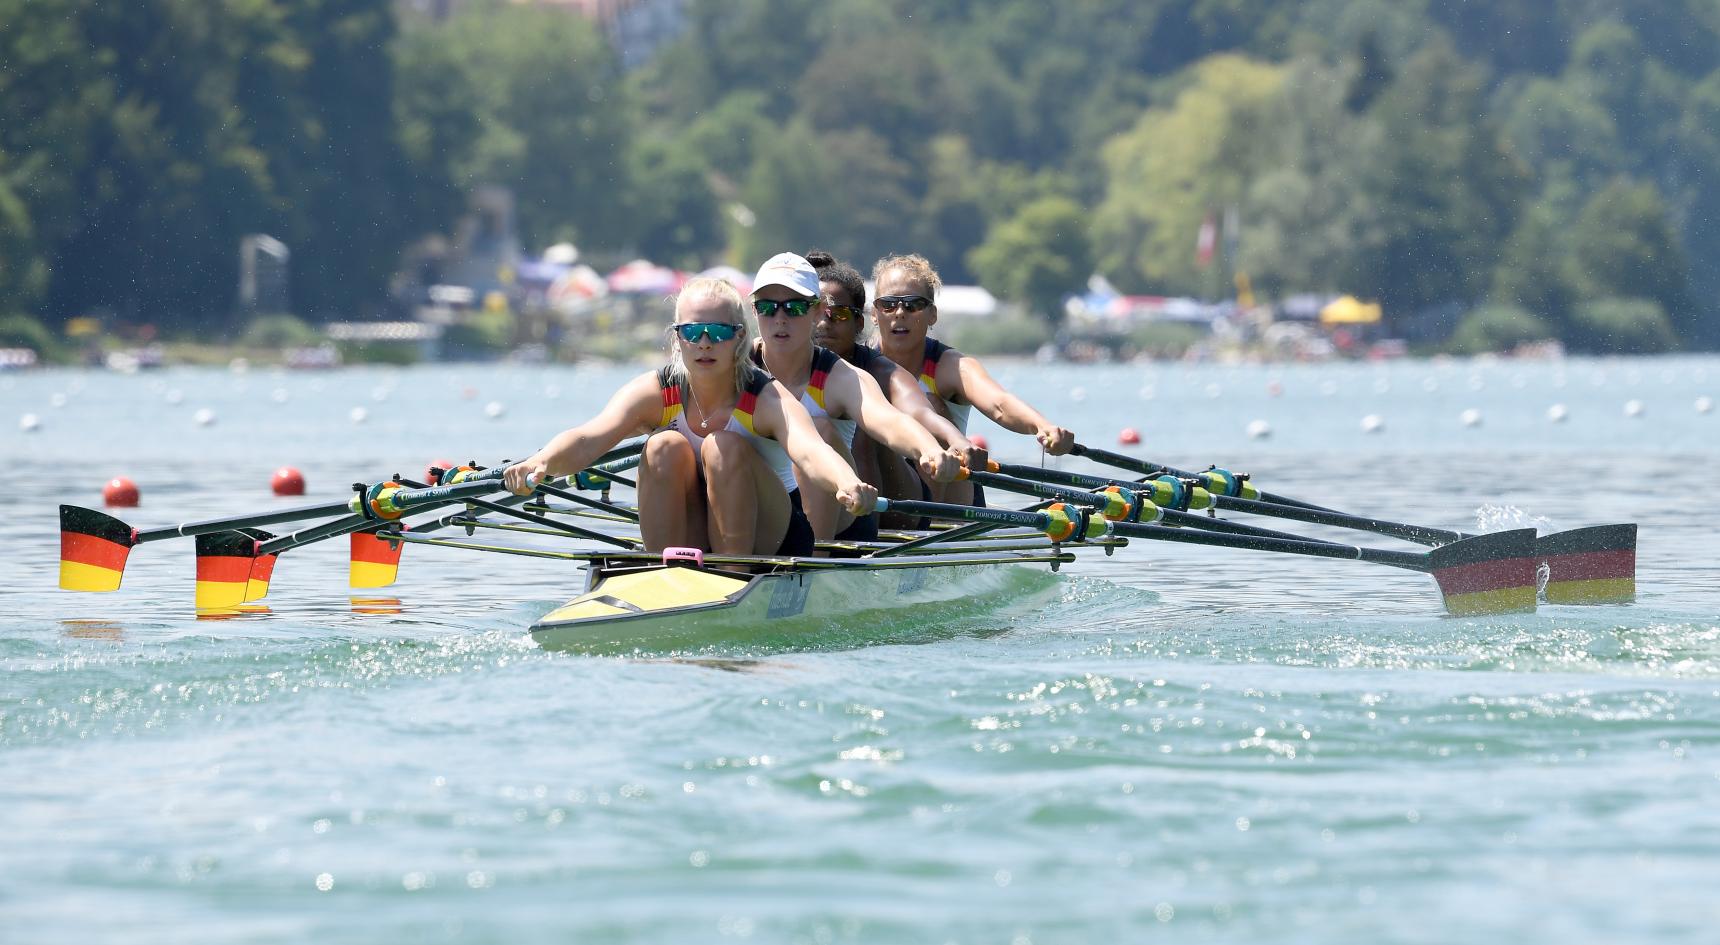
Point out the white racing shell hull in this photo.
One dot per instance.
(808, 602)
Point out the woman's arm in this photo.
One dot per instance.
(975, 384)
(781, 417)
(634, 409)
(856, 395)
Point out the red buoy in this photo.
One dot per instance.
(288, 481)
(1129, 437)
(979, 441)
(120, 492)
(430, 475)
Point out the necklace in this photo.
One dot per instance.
(703, 418)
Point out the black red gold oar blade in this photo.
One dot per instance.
(1594, 565)
(375, 561)
(262, 568)
(93, 549)
(224, 562)
(1487, 574)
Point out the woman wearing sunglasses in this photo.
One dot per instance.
(718, 471)
(789, 302)
(906, 307)
(839, 328)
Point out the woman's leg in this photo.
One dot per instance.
(671, 500)
(748, 506)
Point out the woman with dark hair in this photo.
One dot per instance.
(726, 442)
(840, 328)
(906, 308)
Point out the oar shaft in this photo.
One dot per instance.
(1410, 560)
(1035, 520)
(1421, 534)
(1147, 467)
(244, 521)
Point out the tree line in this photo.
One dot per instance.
(1552, 166)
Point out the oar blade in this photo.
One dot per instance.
(262, 568)
(375, 561)
(1594, 565)
(224, 562)
(1487, 574)
(93, 549)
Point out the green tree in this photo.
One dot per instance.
(1037, 257)
(1167, 173)
(1623, 246)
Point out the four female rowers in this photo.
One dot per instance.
(740, 461)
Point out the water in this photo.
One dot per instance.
(1200, 744)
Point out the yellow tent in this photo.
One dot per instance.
(1348, 310)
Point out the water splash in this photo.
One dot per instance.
(1499, 518)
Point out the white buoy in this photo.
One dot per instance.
(239, 365)
(1372, 423)
(1633, 408)
(358, 415)
(551, 392)
(1557, 413)
(175, 396)
(379, 394)
(58, 400)
(494, 409)
(203, 417)
(1471, 417)
(1259, 429)
(1076, 394)
(1704, 404)
(29, 423)
(279, 395)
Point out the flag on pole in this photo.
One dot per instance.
(1204, 243)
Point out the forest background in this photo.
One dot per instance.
(1550, 167)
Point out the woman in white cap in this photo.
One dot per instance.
(718, 471)
(789, 301)
(906, 307)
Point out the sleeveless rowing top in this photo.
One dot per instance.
(929, 381)
(823, 359)
(740, 421)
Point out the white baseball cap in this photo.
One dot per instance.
(790, 271)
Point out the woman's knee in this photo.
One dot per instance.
(725, 451)
(667, 449)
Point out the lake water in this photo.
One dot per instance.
(1193, 745)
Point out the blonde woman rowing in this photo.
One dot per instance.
(718, 471)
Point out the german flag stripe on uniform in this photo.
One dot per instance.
(375, 561)
(93, 549)
(224, 568)
(1595, 565)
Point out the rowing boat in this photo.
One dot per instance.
(634, 600)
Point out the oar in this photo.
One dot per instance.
(1487, 574)
(1589, 565)
(1219, 481)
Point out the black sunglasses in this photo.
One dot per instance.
(795, 308)
(890, 304)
